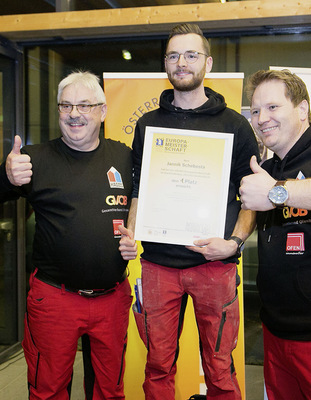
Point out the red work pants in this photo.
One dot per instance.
(55, 320)
(287, 368)
(212, 287)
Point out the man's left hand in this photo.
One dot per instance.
(255, 188)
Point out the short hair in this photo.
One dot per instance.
(296, 89)
(185, 29)
(86, 79)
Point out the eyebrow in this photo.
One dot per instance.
(80, 102)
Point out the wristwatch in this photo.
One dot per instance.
(240, 244)
(278, 194)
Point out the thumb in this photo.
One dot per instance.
(255, 167)
(17, 145)
(125, 231)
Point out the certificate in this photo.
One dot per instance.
(184, 185)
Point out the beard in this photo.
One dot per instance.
(186, 85)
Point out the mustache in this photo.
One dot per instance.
(76, 120)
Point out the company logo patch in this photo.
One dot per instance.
(114, 178)
(295, 242)
(300, 175)
(116, 200)
(116, 224)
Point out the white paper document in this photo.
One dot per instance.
(184, 185)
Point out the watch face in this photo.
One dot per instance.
(278, 195)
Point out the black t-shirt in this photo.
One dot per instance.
(79, 199)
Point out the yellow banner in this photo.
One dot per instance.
(129, 96)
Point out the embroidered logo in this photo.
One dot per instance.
(295, 243)
(115, 179)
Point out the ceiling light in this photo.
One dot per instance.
(126, 55)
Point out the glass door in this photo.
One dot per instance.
(12, 277)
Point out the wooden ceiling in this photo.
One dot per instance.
(149, 20)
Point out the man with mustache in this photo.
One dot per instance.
(206, 271)
(79, 187)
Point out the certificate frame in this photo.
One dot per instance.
(184, 185)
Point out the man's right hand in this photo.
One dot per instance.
(18, 166)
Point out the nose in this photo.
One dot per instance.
(74, 112)
(181, 60)
(263, 116)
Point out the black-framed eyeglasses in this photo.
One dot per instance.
(190, 57)
(82, 108)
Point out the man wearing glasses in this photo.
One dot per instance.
(206, 271)
(79, 187)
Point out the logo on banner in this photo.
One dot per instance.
(295, 243)
(116, 224)
(114, 178)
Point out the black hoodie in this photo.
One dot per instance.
(284, 246)
(214, 116)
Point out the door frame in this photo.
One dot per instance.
(15, 54)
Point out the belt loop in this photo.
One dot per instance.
(63, 289)
(32, 276)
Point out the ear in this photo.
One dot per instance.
(303, 108)
(103, 112)
(209, 64)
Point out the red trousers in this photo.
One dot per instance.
(212, 287)
(287, 368)
(55, 320)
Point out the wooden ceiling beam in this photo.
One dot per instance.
(155, 20)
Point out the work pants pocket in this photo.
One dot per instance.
(228, 328)
(141, 323)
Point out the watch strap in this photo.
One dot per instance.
(239, 242)
(280, 183)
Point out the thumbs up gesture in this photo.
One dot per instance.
(128, 246)
(254, 188)
(18, 166)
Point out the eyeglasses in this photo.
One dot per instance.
(82, 108)
(190, 57)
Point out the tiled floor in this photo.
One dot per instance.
(13, 380)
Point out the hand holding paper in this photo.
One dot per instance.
(214, 249)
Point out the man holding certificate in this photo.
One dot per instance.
(206, 270)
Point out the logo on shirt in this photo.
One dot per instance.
(116, 200)
(116, 224)
(114, 178)
(300, 176)
(295, 243)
